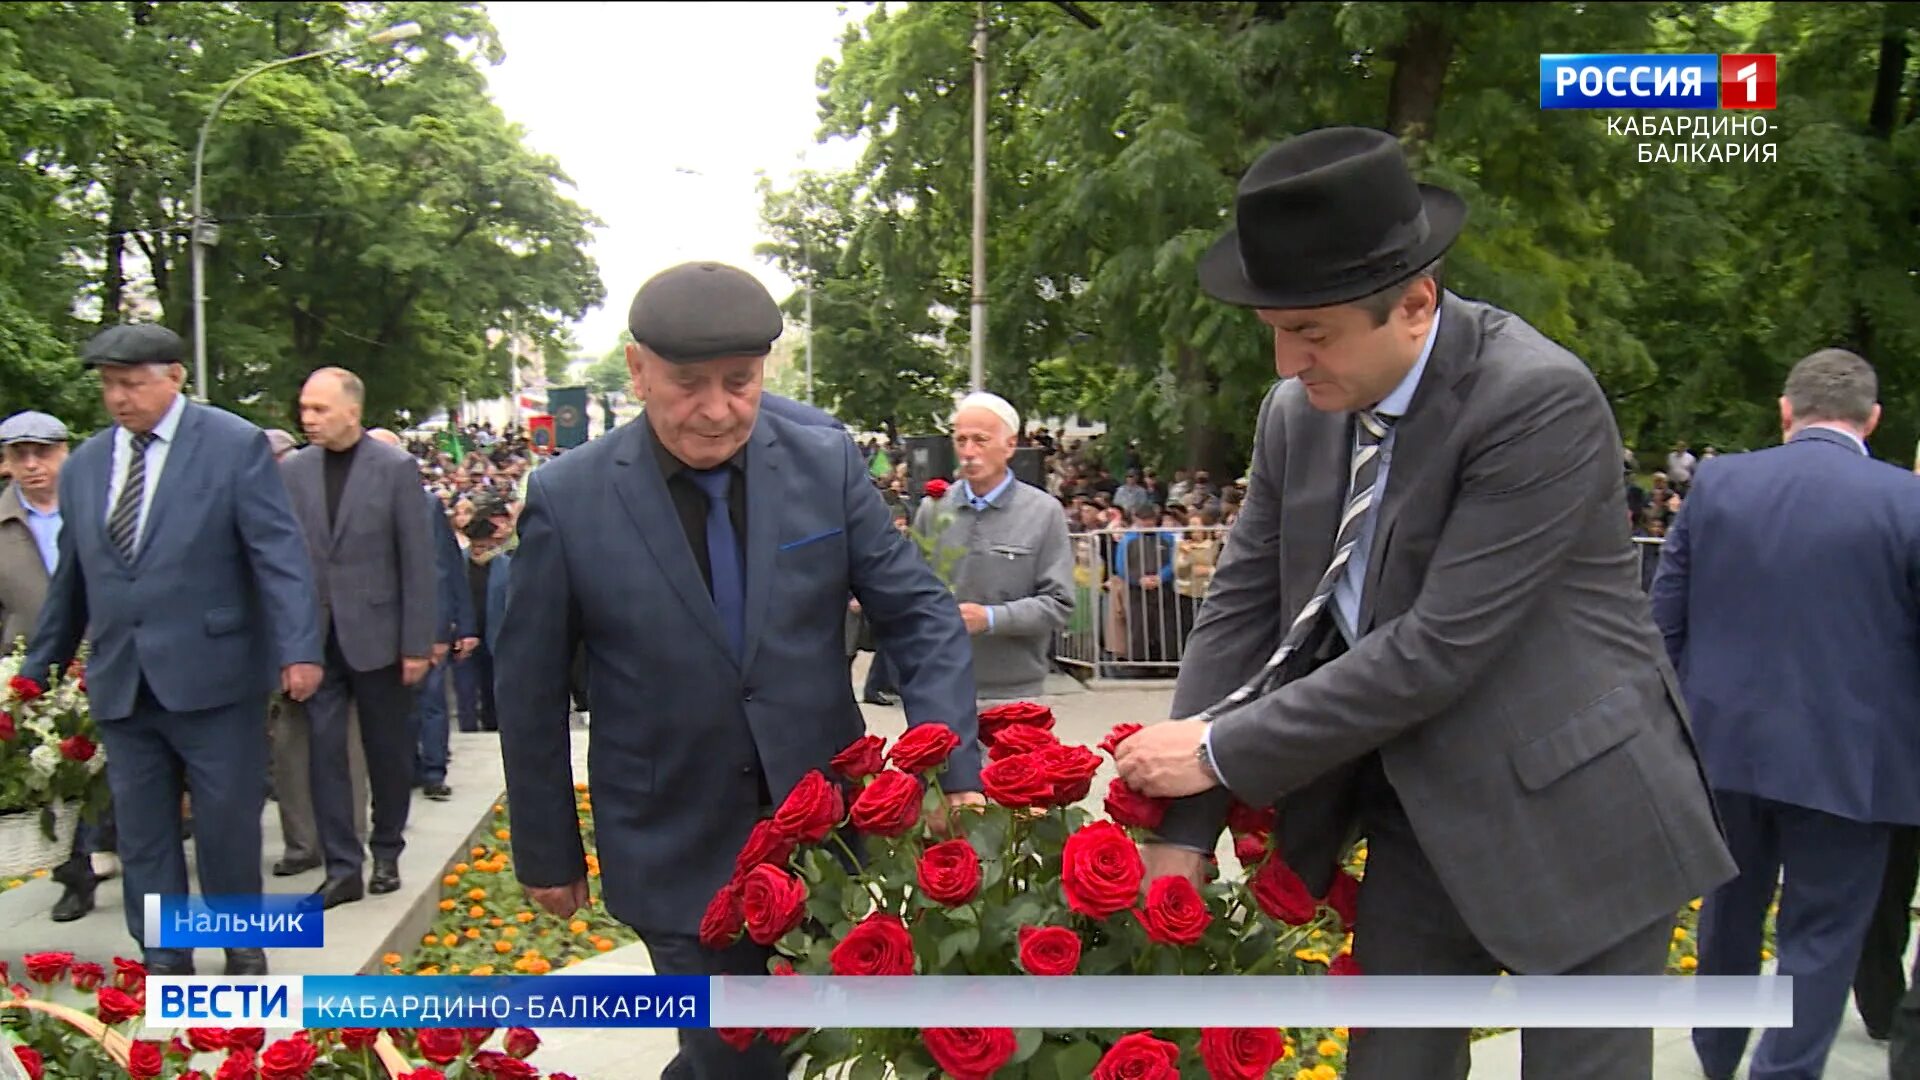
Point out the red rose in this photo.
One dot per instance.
(522, 1042)
(30, 1061)
(1281, 894)
(889, 806)
(24, 688)
(1344, 964)
(1020, 740)
(424, 1073)
(773, 901)
(207, 1040)
(288, 1059)
(48, 967)
(1249, 849)
(1049, 950)
(1132, 809)
(128, 975)
(1015, 714)
(738, 1038)
(1343, 896)
(88, 977)
(864, 758)
(1119, 734)
(144, 1060)
(237, 1066)
(178, 1048)
(76, 748)
(722, 924)
(1020, 780)
(924, 748)
(7, 731)
(359, 1038)
(246, 1038)
(1241, 1053)
(1140, 1056)
(498, 1066)
(950, 873)
(476, 1037)
(812, 809)
(880, 945)
(1242, 818)
(1071, 769)
(969, 1053)
(765, 844)
(442, 1046)
(196, 1074)
(1175, 914)
(936, 488)
(1100, 870)
(116, 1006)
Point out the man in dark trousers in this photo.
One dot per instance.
(1789, 593)
(704, 554)
(181, 561)
(1427, 626)
(358, 501)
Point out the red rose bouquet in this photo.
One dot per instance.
(51, 761)
(866, 883)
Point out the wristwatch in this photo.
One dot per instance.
(1205, 758)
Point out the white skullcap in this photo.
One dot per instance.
(994, 404)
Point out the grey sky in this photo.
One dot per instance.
(626, 94)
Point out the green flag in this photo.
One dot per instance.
(882, 465)
(449, 443)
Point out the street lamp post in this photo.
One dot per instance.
(979, 335)
(203, 232)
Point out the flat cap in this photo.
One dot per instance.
(703, 311)
(34, 427)
(134, 343)
(488, 504)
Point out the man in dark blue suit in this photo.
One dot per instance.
(704, 554)
(1789, 595)
(180, 559)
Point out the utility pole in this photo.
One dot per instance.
(979, 341)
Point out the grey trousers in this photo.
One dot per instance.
(287, 741)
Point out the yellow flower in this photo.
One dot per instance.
(496, 922)
(453, 969)
(578, 926)
(1324, 1071)
(1688, 963)
(498, 809)
(476, 912)
(450, 880)
(460, 868)
(391, 959)
(14, 883)
(1766, 954)
(473, 933)
(1679, 933)
(503, 947)
(1694, 905)
(1312, 956)
(446, 905)
(603, 945)
(502, 834)
(450, 940)
(428, 970)
(476, 894)
(1340, 1033)
(38, 874)
(483, 969)
(524, 916)
(538, 967)
(510, 932)
(1328, 1048)
(430, 940)
(479, 851)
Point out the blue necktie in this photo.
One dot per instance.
(723, 556)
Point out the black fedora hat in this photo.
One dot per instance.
(1328, 217)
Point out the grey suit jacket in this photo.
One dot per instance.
(374, 566)
(1508, 672)
(23, 577)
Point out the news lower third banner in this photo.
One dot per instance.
(1020, 1001)
(249, 921)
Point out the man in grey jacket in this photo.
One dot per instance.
(1002, 545)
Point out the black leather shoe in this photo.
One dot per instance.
(879, 697)
(290, 867)
(386, 876)
(169, 967)
(73, 904)
(339, 891)
(437, 792)
(246, 962)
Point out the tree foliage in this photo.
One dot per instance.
(375, 208)
(1114, 153)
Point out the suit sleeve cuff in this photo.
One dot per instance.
(990, 620)
(1213, 763)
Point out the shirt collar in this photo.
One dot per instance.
(1835, 428)
(991, 498)
(35, 512)
(170, 423)
(1397, 403)
(670, 465)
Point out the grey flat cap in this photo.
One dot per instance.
(703, 311)
(34, 427)
(134, 343)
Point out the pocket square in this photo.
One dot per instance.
(804, 541)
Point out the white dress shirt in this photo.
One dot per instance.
(156, 458)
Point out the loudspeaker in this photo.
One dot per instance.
(1028, 468)
(928, 456)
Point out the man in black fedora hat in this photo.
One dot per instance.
(1427, 628)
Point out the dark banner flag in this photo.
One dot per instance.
(568, 406)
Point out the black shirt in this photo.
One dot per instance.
(339, 466)
(691, 503)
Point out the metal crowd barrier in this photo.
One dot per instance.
(1125, 626)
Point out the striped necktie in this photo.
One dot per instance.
(123, 525)
(1369, 429)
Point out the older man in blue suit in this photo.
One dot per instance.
(1789, 595)
(181, 553)
(704, 553)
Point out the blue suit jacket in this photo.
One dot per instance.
(218, 598)
(677, 720)
(455, 618)
(1789, 595)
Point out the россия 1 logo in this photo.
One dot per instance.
(1657, 81)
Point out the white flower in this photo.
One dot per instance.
(44, 759)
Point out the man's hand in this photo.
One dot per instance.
(465, 647)
(942, 820)
(1166, 860)
(975, 617)
(561, 901)
(1159, 760)
(413, 669)
(1150, 582)
(440, 649)
(299, 681)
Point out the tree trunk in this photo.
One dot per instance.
(119, 220)
(1205, 446)
(1886, 84)
(1419, 75)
